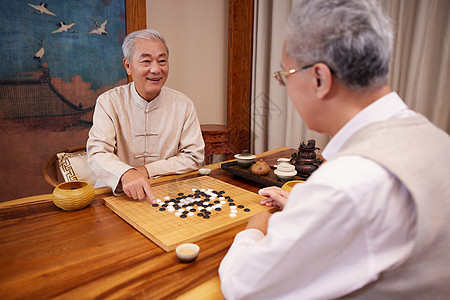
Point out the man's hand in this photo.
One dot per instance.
(276, 196)
(259, 221)
(136, 185)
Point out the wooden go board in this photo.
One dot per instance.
(168, 229)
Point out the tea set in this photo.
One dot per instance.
(303, 163)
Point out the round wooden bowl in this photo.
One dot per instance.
(290, 184)
(73, 195)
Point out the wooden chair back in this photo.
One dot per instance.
(50, 170)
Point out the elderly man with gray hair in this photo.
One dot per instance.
(143, 129)
(372, 221)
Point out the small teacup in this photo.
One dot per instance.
(187, 252)
(285, 176)
(286, 168)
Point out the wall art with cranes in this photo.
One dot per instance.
(57, 57)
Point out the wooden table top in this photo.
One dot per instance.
(92, 253)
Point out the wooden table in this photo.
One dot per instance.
(92, 253)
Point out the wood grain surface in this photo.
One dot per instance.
(48, 253)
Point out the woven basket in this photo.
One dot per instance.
(290, 184)
(73, 195)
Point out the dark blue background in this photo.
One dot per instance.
(96, 58)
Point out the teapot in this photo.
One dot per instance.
(260, 168)
(305, 160)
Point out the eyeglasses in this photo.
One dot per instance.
(282, 76)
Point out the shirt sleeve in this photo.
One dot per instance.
(191, 149)
(101, 148)
(325, 243)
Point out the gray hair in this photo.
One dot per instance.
(353, 37)
(130, 40)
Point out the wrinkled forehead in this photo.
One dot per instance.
(149, 48)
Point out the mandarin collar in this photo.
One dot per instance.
(142, 103)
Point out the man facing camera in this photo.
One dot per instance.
(372, 221)
(143, 129)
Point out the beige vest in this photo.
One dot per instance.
(418, 153)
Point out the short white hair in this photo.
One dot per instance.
(130, 40)
(353, 37)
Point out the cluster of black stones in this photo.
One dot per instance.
(198, 198)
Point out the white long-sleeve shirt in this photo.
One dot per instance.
(128, 131)
(337, 232)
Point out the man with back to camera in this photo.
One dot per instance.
(143, 129)
(372, 221)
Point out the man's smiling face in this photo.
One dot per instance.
(149, 67)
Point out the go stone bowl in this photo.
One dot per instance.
(73, 195)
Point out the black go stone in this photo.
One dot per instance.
(155, 205)
(218, 209)
(240, 206)
(183, 216)
(193, 210)
(162, 209)
(206, 217)
(164, 205)
(180, 194)
(200, 214)
(247, 209)
(185, 212)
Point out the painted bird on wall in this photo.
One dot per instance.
(40, 53)
(42, 8)
(64, 27)
(101, 29)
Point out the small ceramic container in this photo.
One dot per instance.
(290, 184)
(283, 160)
(245, 160)
(285, 176)
(73, 195)
(204, 171)
(286, 168)
(260, 168)
(187, 252)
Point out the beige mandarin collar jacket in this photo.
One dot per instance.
(128, 131)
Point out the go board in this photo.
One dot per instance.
(188, 210)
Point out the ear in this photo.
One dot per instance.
(323, 80)
(126, 64)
